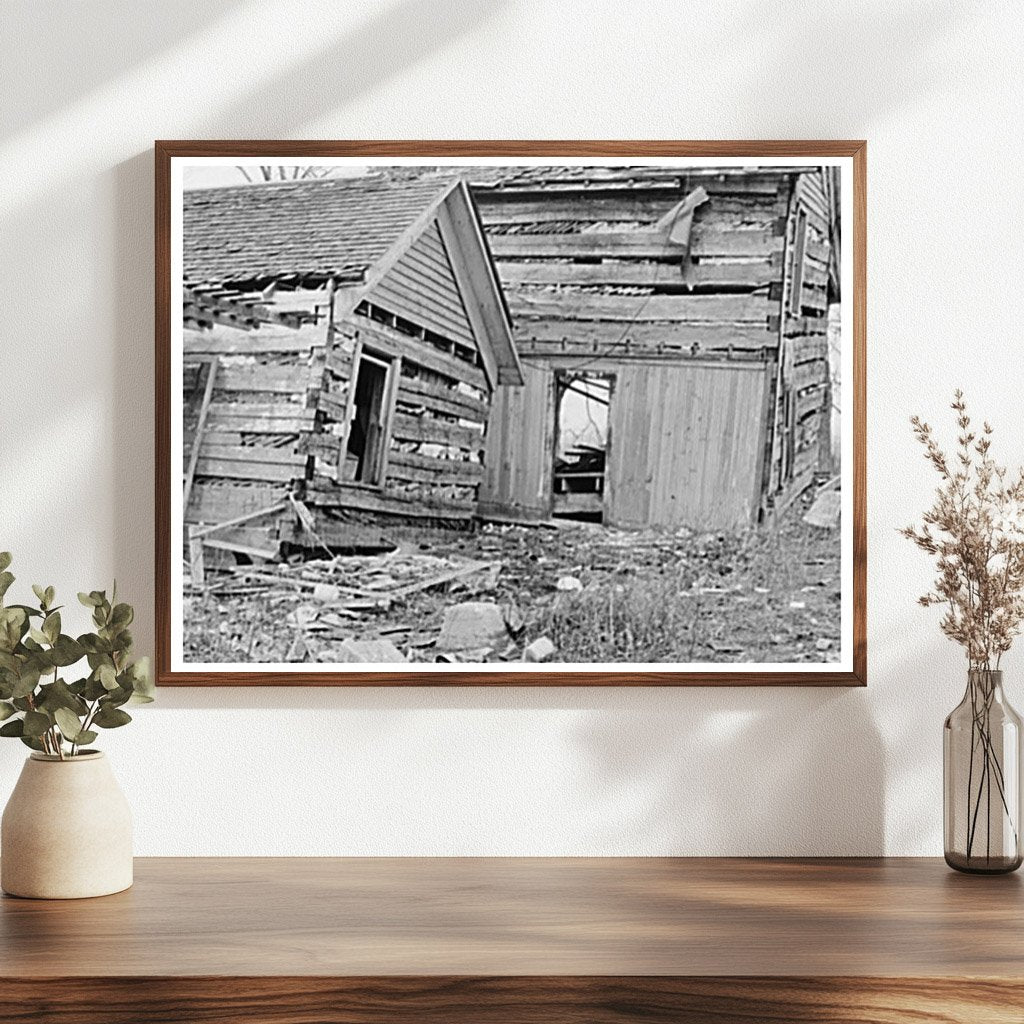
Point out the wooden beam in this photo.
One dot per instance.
(197, 437)
(287, 380)
(429, 430)
(324, 492)
(439, 398)
(636, 245)
(574, 305)
(598, 335)
(752, 273)
(394, 343)
(413, 466)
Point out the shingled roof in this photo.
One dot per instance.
(311, 229)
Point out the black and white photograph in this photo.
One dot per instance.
(514, 414)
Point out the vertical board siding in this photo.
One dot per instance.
(686, 445)
(519, 451)
(421, 288)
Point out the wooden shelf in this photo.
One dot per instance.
(346, 941)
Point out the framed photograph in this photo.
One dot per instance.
(493, 413)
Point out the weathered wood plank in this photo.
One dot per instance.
(240, 469)
(732, 308)
(661, 275)
(413, 466)
(393, 343)
(250, 344)
(635, 245)
(598, 335)
(809, 374)
(325, 492)
(442, 399)
(286, 380)
(624, 207)
(217, 502)
(430, 430)
(255, 453)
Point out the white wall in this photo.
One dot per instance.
(936, 88)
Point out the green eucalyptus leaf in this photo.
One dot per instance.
(110, 717)
(6, 579)
(86, 736)
(59, 695)
(51, 626)
(6, 710)
(33, 742)
(5, 560)
(94, 689)
(69, 724)
(122, 616)
(36, 723)
(67, 651)
(38, 636)
(40, 593)
(89, 600)
(16, 727)
(27, 681)
(107, 676)
(115, 698)
(22, 703)
(50, 594)
(9, 663)
(94, 644)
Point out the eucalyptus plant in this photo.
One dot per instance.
(37, 704)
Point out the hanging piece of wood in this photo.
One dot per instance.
(197, 439)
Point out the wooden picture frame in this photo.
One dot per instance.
(499, 364)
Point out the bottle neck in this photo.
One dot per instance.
(985, 683)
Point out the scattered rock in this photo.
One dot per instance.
(542, 649)
(824, 513)
(325, 592)
(797, 605)
(298, 651)
(472, 625)
(368, 651)
(568, 583)
(823, 644)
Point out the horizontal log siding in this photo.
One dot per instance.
(807, 377)
(437, 430)
(587, 277)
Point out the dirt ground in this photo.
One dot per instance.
(769, 595)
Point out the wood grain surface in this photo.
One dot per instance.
(505, 940)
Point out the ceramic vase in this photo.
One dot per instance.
(66, 831)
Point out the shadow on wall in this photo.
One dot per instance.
(96, 42)
(345, 68)
(748, 772)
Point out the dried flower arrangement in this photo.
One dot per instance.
(975, 531)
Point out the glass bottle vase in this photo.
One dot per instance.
(981, 771)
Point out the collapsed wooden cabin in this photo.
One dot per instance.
(343, 343)
(692, 304)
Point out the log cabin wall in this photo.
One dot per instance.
(259, 381)
(691, 333)
(801, 433)
(372, 409)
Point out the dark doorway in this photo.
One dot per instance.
(582, 444)
(366, 434)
